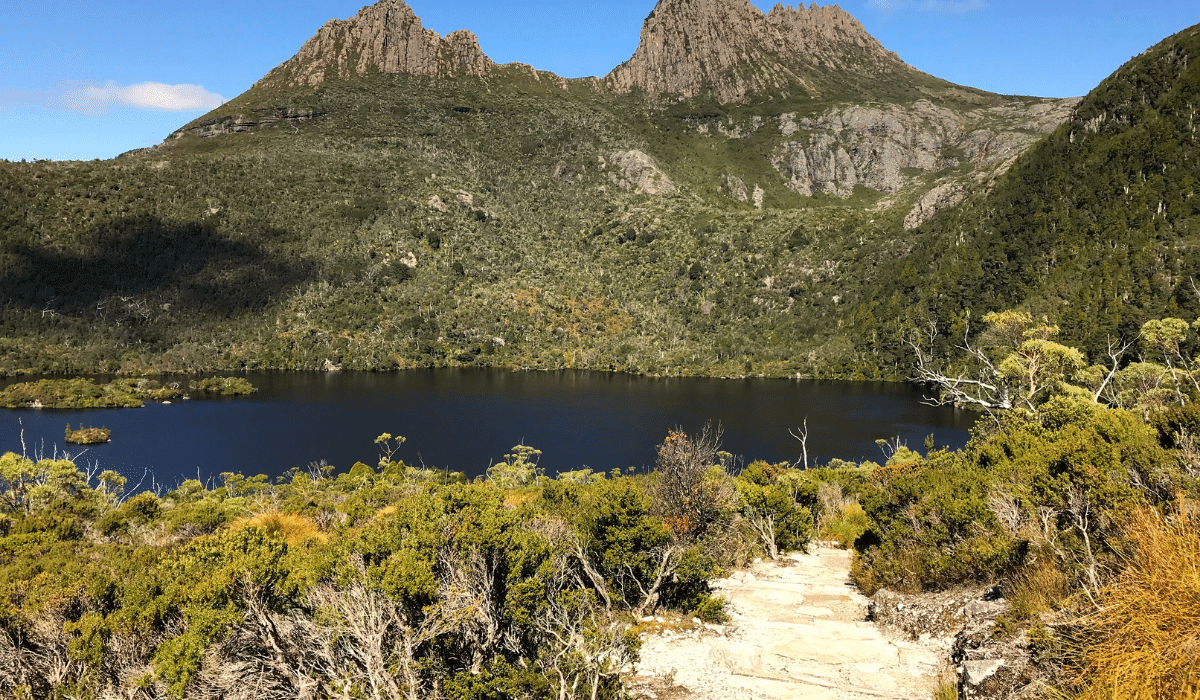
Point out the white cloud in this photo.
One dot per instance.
(171, 98)
(97, 100)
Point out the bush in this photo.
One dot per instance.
(712, 610)
(224, 386)
(88, 436)
(690, 488)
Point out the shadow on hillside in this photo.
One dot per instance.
(191, 266)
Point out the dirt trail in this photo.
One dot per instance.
(798, 630)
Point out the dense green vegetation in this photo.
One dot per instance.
(87, 436)
(384, 581)
(1095, 228)
(1076, 499)
(73, 393)
(118, 393)
(224, 386)
(416, 222)
(393, 581)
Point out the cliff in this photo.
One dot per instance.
(731, 50)
(386, 37)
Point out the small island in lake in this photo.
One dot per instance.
(120, 393)
(88, 436)
(224, 386)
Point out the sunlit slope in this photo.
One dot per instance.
(509, 218)
(1097, 227)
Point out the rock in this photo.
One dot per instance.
(387, 37)
(730, 49)
(736, 188)
(640, 172)
(771, 652)
(872, 146)
(940, 197)
(437, 203)
(237, 123)
(976, 672)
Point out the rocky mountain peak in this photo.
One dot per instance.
(831, 37)
(387, 37)
(730, 49)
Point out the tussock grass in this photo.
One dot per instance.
(1038, 587)
(946, 685)
(1149, 621)
(292, 528)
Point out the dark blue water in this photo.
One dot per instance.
(467, 419)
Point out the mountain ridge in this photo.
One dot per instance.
(511, 218)
(729, 51)
(732, 50)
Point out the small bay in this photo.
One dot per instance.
(467, 419)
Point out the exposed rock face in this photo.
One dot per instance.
(990, 666)
(730, 49)
(830, 37)
(639, 171)
(387, 37)
(872, 146)
(736, 188)
(945, 195)
(240, 122)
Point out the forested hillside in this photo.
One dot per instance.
(502, 217)
(1096, 228)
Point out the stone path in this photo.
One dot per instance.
(798, 630)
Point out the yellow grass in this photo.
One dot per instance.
(293, 528)
(1039, 587)
(1149, 623)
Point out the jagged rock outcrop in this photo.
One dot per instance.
(236, 123)
(830, 37)
(731, 50)
(944, 195)
(873, 146)
(387, 37)
(636, 170)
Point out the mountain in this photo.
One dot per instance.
(749, 193)
(385, 37)
(732, 52)
(1096, 228)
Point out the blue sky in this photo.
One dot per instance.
(88, 79)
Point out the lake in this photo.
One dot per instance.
(467, 419)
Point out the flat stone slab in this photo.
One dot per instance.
(799, 631)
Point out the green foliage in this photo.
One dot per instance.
(1058, 483)
(88, 436)
(1095, 227)
(520, 468)
(779, 504)
(70, 393)
(712, 609)
(224, 386)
